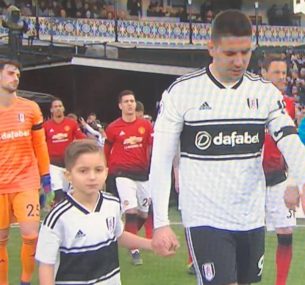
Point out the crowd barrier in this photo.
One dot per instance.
(144, 32)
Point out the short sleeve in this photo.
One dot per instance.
(47, 246)
(37, 116)
(169, 119)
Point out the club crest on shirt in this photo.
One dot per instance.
(208, 271)
(110, 222)
(160, 108)
(67, 128)
(21, 117)
(141, 130)
(252, 103)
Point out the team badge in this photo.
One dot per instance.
(110, 222)
(67, 128)
(141, 130)
(208, 271)
(21, 117)
(160, 108)
(252, 103)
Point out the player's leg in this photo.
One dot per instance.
(283, 254)
(111, 185)
(214, 255)
(250, 255)
(4, 233)
(149, 224)
(144, 202)
(27, 211)
(127, 191)
(282, 220)
(190, 265)
(57, 183)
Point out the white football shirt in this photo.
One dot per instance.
(221, 133)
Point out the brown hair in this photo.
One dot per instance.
(140, 107)
(231, 23)
(271, 57)
(124, 93)
(79, 147)
(4, 61)
(56, 99)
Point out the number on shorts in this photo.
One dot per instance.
(260, 266)
(32, 210)
(145, 202)
(291, 214)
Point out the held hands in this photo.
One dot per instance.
(292, 197)
(46, 183)
(164, 242)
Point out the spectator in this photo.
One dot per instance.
(134, 7)
(206, 6)
(208, 17)
(271, 15)
(286, 15)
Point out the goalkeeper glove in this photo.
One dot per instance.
(46, 183)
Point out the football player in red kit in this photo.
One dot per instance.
(128, 148)
(278, 216)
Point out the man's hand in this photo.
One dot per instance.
(292, 197)
(46, 183)
(164, 241)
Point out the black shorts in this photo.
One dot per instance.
(224, 257)
(111, 185)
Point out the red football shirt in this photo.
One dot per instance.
(128, 147)
(59, 136)
(273, 162)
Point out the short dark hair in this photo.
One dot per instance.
(79, 147)
(231, 23)
(55, 99)
(124, 93)
(91, 114)
(11, 61)
(140, 107)
(72, 116)
(271, 57)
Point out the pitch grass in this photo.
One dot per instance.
(173, 271)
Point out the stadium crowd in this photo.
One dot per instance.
(104, 9)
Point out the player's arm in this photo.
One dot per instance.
(150, 140)
(166, 137)
(284, 132)
(46, 274)
(108, 142)
(77, 132)
(131, 241)
(46, 253)
(39, 142)
(176, 162)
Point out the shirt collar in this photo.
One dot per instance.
(219, 84)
